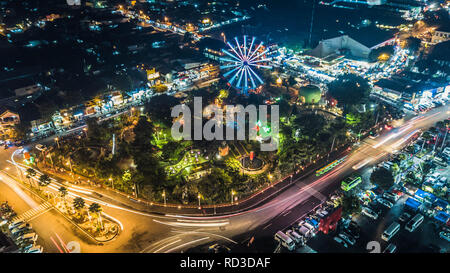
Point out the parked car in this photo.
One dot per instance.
(404, 217)
(284, 240)
(369, 213)
(445, 235)
(298, 239)
(15, 224)
(347, 238)
(3, 222)
(391, 248)
(385, 202)
(218, 248)
(391, 197)
(353, 229)
(27, 246)
(20, 228)
(28, 237)
(341, 241)
(35, 249)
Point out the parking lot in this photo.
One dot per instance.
(424, 239)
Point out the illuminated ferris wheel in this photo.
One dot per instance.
(240, 61)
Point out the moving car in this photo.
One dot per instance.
(369, 213)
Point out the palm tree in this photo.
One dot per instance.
(78, 204)
(44, 180)
(95, 208)
(30, 173)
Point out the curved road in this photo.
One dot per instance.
(147, 232)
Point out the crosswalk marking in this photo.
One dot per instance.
(33, 212)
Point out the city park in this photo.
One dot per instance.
(135, 153)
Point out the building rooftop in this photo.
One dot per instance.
(369, 36)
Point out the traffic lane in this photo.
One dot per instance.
(355, 157)
(263, 240)
(279, 204)
(43, 223)
(57, 235)
(139, 227)
(46, 225)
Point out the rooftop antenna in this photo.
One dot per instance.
(312, 22)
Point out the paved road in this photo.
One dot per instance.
(294, 203)
(145, 232)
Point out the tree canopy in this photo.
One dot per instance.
(349, 89)
(350, 204)
(383, 178)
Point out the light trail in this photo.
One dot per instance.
(114, 219)
(195, 224)
(25, 197)
(392, 135)
(169, 244)
(56, 244)
(188, 243)
(206, 233)
(404, 139)
(362, 164)
(62, 243)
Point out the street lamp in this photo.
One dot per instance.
(70, 165)
(51, 159)
(112, 182)
(57, 142)
(199, 196)
(232, 196)
(164, 196)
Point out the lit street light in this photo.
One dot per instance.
(164, 196)
(57, 142)
(112, 182)
(69, 163)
